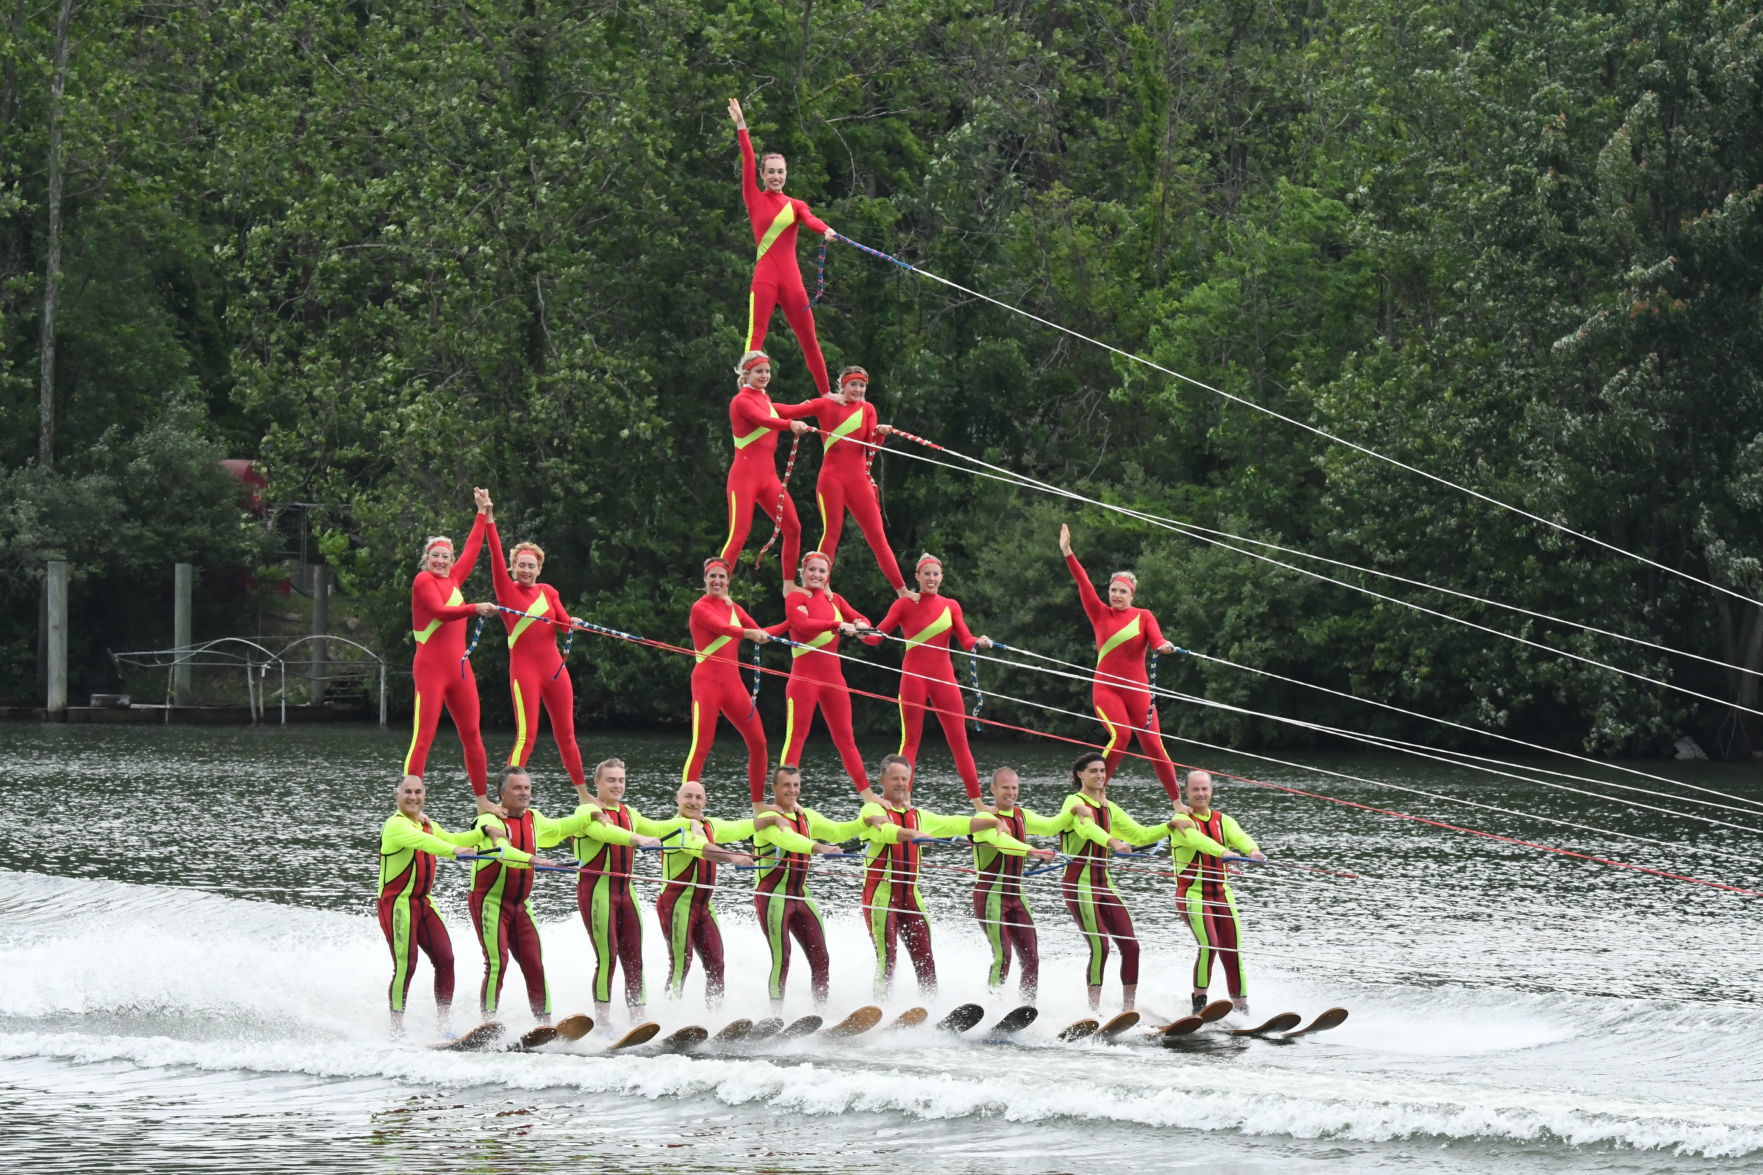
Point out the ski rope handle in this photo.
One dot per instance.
(568, 644)
(471, 646)
(979, 699)
(753, 701)
(782, 493)
(1151, 704)
(819, 277)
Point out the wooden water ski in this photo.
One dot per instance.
(857, 1023)
(738, 1031)
(1279, 1023)
(1081, 1030)
(910, 1018)
(1186, 1026)
(1117, 1025)
(1013, 1021)
(641, 1034)
(1215, 1011)
(482, 1037)
(764, 1030)
(684, 1040)
(538, 1037)
(962, 1018)
(575, 1027)
(802, 1027)
(1333, 1018)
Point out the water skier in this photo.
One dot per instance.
(1202, 890)
(753, 483)
(815, 618)
(607, 851)
(718, 626)
(998, 903)
(848, 428)
(781, 897)
(685, 906)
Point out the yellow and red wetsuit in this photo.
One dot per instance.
(501, 906)
(407, 914)
(603, 895)
(1202, 890)
(776, 277)
(812, 618)
(535, 667)
(753, 483)
(781, 899)
(441, 674)
(847, 431)
(927, 677)
(998, 903)
(1087, 887)
(1121, 693)
(716, 626)
(892, 906)
(686, 908)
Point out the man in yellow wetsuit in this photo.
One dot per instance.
(1097, 829)
(688, 915)
(892, 906)
(1202, 890)
(997, 888)
(607, 852)
(409, 844)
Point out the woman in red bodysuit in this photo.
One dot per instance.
(848, 431)
(815, 617)
(718, 626)
(1121, 693)
(535, 667)
(926, 676)
(753, 483)
(443, 677)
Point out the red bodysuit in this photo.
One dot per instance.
(442, 676)
(535, 668)
(816, 681)
(776, 276)
(716, 689)
(753, 483)
(926, 676)
(847, 432)
(1123, 636)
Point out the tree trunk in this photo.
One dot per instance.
(52, 270)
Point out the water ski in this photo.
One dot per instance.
(1117, 1025)
(910, 1018)
(1280, 1023)
(479, 1038)
(857, 1023)
(737, 1031)
(575, 1027)
(684, 1040)
(764, 1030)
(962, 1018)
(1013, 1022)
(1333, 1018)
(1186, 1026)
(1082, 1030)
(802, 1027)
(641, 1034)
(1215, 1011)
(538, 1036)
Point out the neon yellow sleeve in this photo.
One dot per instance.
(1131, 831)
(549, 833)
(1195, 841)
(937, 824)
(1034, 824)
(787, 838)
(400, 833)
(643, 826)
(1002, 841)
(603, 831)
(886, 833)
(832, 831)
(733, 830)
(1236, 838)
(1084, 826)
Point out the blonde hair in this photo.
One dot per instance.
(741, 365)
(1128, 576)
(428, 545)
(517, 548)
(604, 764)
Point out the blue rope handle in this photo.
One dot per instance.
(753, 702)
(819, 276)
(1151, 702)
(471, 647)
(979, 699)
(568, 644)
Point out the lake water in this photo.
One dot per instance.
(194, 979)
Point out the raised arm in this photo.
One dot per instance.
(1086, 591)
(499, 570)
(474, 544)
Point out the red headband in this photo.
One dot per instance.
(923, 559)
(1130, 585)
(821, 555)
(851, 375)
(717, 561)
(750, 364)
(448, 543)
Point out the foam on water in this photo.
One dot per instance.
(182, 981)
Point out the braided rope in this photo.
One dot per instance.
(783, 491)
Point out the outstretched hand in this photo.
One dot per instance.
(1064, 540)
(735, 116)
(831, 234)
(485, 609)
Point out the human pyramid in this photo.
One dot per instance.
(783, 836)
